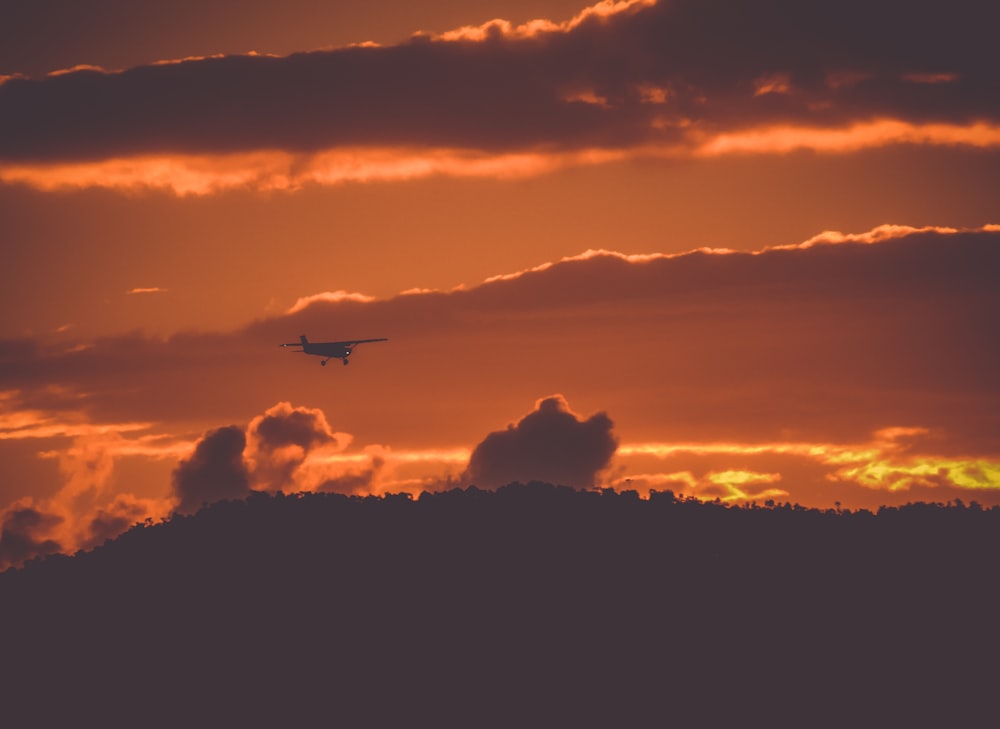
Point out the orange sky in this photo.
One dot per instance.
(166, 225)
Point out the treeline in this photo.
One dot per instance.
(532, 605)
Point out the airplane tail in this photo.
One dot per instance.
(301, 343)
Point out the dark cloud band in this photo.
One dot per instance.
(638, 77)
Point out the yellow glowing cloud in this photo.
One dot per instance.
(736, 483)
(659, 480)
(878, 464)
(740, 477)
(728, 485)
(883, 474)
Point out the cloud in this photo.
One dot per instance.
(821, 343)
(214, 472)
(832, 340)
(358, 482)
(500, 28)
(33, 528)
(25, 534)
(280, 441)
(892, 466)
(549, 444)
(687, 77)
(334, 296)
(118, 516)
(88, 506)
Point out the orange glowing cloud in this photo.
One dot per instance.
(22, 424)
(208, 174)
(881, 464)
(86, 509)
(533, 28)
(279, 170)
(855, 137)
(974, 475)
(779, 83)
(738, 484)
(329, 296)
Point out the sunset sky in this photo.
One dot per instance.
(740, 250)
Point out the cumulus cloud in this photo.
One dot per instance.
(288, 448)
(214, 472)
(550, 444)
(670, 75)
(280, 440)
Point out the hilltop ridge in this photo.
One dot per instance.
(533, 605)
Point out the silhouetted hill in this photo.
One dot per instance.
(531, 606)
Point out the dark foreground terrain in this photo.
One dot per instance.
(532, 606)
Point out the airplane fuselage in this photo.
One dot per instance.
(330, 350)
(327, 349)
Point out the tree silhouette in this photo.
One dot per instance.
(531, 605)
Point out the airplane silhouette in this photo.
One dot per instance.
(330, 350)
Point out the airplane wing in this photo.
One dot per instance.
(346, 343)
(353, 342)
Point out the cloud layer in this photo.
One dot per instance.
(857, 368)
(684, 77)
(829, 340)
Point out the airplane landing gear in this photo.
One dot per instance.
(345, 360)
(323, 363)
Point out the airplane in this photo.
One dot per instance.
(330, 350)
